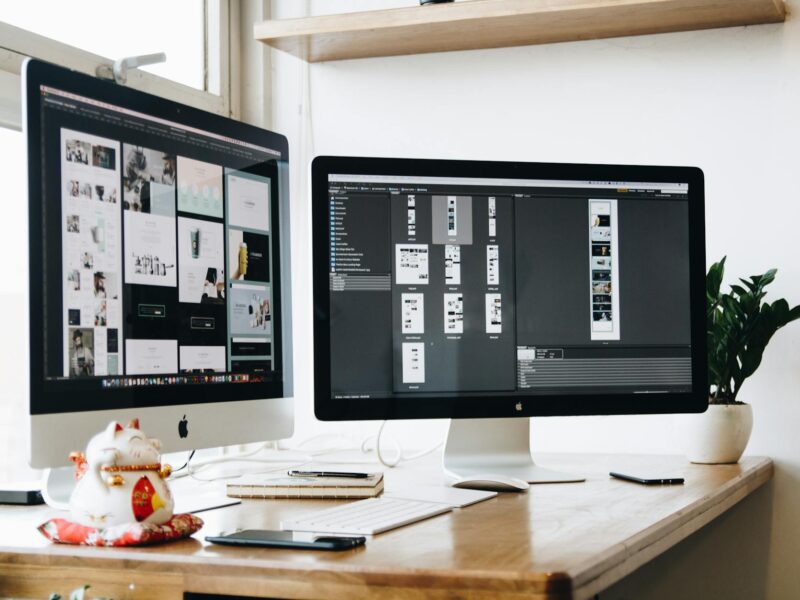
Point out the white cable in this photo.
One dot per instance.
(285, 462)
(193, 467)
(284, 465)
(231, 457)
(400, 456)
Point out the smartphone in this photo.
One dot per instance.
(286, 539)
(648, 480)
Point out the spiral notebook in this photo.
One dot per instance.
(306, 487)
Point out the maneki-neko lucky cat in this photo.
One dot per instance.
(121, 480)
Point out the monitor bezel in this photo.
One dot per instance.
(64, 396)
(327, 408)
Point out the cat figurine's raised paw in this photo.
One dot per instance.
(121, 479)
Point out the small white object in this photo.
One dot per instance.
(119, 70)
(122, 481)
(719, 435)
(367, 517)
(492, 481)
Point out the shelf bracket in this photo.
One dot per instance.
(118, 71)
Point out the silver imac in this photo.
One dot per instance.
(158, 271)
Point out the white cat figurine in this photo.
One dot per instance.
(121, 480)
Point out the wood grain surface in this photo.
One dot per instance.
(501, 23)
(558, 541)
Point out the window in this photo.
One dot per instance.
(103, 28)
(13, 285)
(81, 35)
(193, 33)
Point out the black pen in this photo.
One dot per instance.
(295, 473)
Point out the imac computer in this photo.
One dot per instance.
(490, 292)
(158, 265)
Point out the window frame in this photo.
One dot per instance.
(221, 38)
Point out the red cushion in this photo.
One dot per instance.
(130, 534)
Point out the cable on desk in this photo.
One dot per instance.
(193, 468)
(186, 464)
(400, 457)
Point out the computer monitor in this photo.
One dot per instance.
(158, 261)
(485, 291)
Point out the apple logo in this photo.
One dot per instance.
(183, 427)
(518, 406)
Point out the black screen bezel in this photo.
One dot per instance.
(59, 396)
(327, 408)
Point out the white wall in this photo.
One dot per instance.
(724, 100)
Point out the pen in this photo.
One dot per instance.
(295, 473)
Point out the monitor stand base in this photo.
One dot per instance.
(495, 446)
(57, 487)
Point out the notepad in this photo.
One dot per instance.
(306, 487)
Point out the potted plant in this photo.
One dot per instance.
(739, 325)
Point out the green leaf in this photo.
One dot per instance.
(739, 325)
(794, 314)
(768, 277)
(739, 290)
(714, 278)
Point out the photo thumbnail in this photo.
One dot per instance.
(601, 275)
(105, 285)
(199, 187)
(78, 151)
(81, 352)
(148, 182)
(601, 288)
(73, 224)
(104, 157)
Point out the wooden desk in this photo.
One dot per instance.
(557, 541)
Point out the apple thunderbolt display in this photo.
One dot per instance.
(485, 291)
(159, 285)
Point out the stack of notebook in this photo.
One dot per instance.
(307, 487)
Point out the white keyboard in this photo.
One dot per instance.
(367, 517)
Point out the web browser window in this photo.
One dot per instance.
(467, 286)
(160, 243)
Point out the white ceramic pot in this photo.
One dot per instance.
(719, 435)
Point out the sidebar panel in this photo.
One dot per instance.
(360, 294)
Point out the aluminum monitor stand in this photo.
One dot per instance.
(495, 446)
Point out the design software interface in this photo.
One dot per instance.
(445, 286)
(161, 250)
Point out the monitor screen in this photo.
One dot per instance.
(157, 252)
(464, 286)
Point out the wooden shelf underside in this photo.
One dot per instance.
(474, 24)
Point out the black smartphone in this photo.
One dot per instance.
(648, 480)
(286, 539)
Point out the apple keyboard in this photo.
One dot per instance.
(367, 517)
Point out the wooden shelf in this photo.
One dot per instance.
(476, 24)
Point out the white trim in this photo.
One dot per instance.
(217, 47)
(10, 105)
(250, 68)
